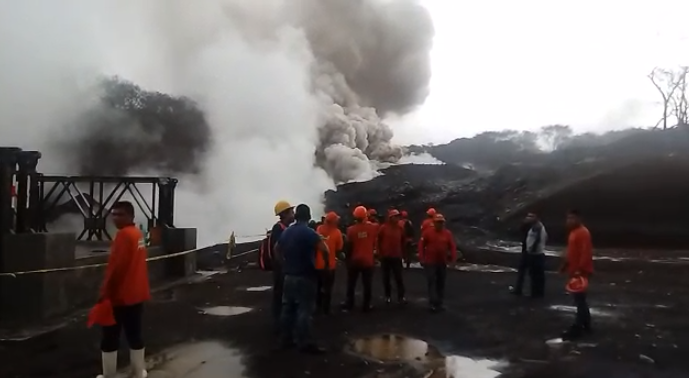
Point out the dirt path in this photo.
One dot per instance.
(640, 329)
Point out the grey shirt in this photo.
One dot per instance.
(536, 239)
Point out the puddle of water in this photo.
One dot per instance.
(572, 309)
(555, 342)
(514, 247)
(225, 310)
(391, 348)
(464, 367)
(485, 268)
(198, 360)
(475, 268)
(258, 288)
(395, 348)
(204, 275)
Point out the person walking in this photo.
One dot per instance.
(578, 264)
(126, 288)
(297, 246)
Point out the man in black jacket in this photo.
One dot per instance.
(534, 237)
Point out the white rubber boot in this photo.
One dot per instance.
(138, 360)
(109, 365)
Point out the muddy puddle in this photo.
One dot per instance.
(197, 360)
(258, 288)
(594, 311)
(427, 359)
(514, 247)
(225, 310)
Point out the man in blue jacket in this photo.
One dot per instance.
(297, 247)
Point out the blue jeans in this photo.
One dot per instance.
(276, 306)
(298, 305)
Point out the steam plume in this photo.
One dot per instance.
(235, 97)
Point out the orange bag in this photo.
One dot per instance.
(577, 285)
(101, 314)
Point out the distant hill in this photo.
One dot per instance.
(490, 150)
(632, 190)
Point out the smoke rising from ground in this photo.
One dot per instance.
(266, 87)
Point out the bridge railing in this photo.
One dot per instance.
(33, 202)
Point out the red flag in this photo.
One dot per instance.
(101, 314)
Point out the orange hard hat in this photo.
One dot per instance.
(404, 213)
(431, 212)
(577, 285)
(360, 212)
(372, 212)
(331, 217)
(393, 213)
(438, 218)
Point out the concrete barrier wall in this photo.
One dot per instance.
(35, 297)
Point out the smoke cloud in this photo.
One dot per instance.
(246, 102)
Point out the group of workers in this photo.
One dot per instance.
(303, 265)
(303, 258)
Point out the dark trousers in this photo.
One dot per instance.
(127, 318)
(435, 277)
(298, 303)
(392, 266)
(535, 265)
(324, 290)
(276, 306)
(408, 253)
(353, 273)
(583, 316)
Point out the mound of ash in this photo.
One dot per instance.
(631, 192)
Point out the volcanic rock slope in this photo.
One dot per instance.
(632, 193)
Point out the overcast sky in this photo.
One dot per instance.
(523, 64)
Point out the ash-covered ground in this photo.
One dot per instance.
(629, 192)
(218, 326)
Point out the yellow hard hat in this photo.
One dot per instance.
(281, 206)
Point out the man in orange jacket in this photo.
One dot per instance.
(373, 216)
(578, 263)
(126, 286)
(391, 241)
(332, 236)
(428, 222)
(361, 244)
(437, 248)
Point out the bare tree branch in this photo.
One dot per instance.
(667, 83)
